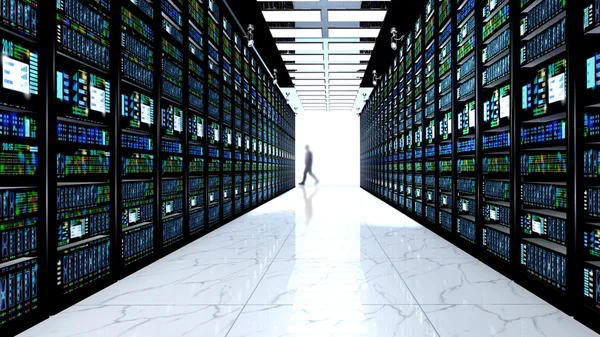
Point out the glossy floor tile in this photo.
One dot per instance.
(326, 261)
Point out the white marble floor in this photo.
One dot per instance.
(332, 261)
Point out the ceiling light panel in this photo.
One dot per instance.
(312, 97)
(345, 82)
(353, 32)
(308, 82)
(356, 15)
(297, 32)
(348, 58)
(345, 75)
(300, 46)
(302, 58)
(308, 75)
(302, 94)
(351, 46)
(305, 67)
(343, 93)
(292, 16)
(310, 87)
(337, 88)
(347, 67)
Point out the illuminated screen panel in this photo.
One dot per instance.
(19, 75)
(20, 16)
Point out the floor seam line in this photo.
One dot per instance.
(261, 278)
(403, 281)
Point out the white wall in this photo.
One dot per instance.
(335, 142)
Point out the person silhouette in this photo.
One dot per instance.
(308, 161)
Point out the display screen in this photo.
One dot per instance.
(466, 118)
(19, 75)
(171, 121)
(82, 94)
(137, 110)
(548, 87)
(196, 128)
(497, 106)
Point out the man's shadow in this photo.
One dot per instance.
(308, 208)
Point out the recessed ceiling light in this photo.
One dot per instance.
(310, 87)
(346, 88)
(343, 93)
(297, 32)
(302, 58)
(303, 93)
(351, 46)
(355, 15)
(307, 75)
(309, 82)
(305, 67)
(345, 82)
(292, 15)
(300, 46)
(347, 67)
(353, 32)
(345, 75)
(348, 58)
(311, 97)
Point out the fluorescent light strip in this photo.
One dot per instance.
(346, 67)
(292, 15)
(310, 87)
(308, 82)
(300, 46)
(348, 58)
(305, 67)
(352, 88)
(351, 46)
(353, 32)
(297, 32)
(310, 76)
(302, 58)
(343, 98)
(310, 93)
(345, 82)
(345, 75)
(312, 97)
(343, 93)
(355, 15)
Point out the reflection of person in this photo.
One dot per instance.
(308, 209)
(308, 160)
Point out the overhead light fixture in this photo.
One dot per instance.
(292, 15)
(310, 87)
(356, 15)
(311, 93)
(310, 76)
(354, 32)
(375, 77)
(306, 46)
(308, 82)
(395, 38)
(347, 67)
(302, 57)
(349, 58)
(312, 97)
(250, 35)
(297, 32)
(345, 82)
(345, 75)
(346, 46)
(346, 88)
(305, 67)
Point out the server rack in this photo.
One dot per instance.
(430, 113)
(513, 97)
(400, 72)
(23, 189)
(418, 112)
(446, 61)
(124, 87)
(82, 130)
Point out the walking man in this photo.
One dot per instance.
(308, 160)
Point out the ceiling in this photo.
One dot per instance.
(326, 46)
(325, 50)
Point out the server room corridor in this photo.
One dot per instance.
(316, 261)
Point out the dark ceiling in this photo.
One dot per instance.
(401, 14)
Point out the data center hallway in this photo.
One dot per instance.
(326, 261)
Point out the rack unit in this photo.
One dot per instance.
(147, 110)
(514, 178)
(22, 182)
